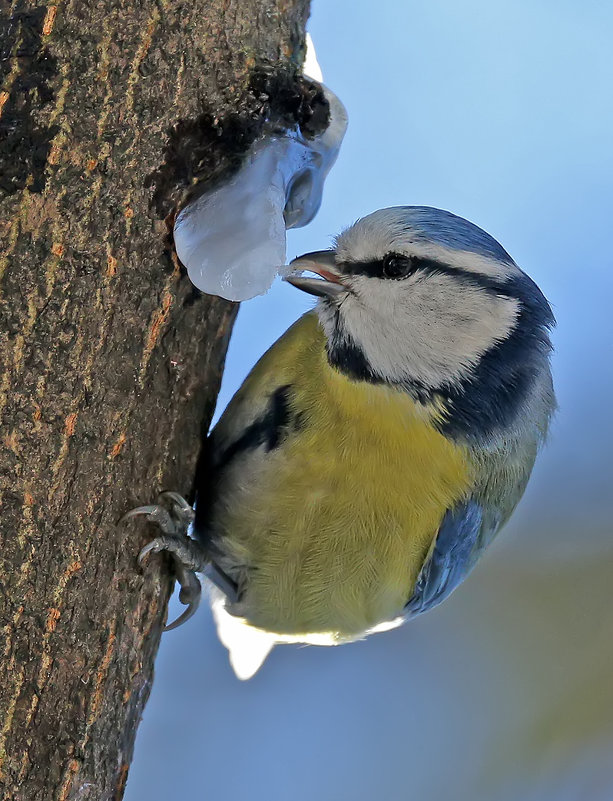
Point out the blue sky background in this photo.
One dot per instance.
(500, 112)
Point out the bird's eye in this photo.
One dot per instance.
(397, 266)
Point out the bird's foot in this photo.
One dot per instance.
(174, 515)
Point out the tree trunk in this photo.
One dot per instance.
(110, 112)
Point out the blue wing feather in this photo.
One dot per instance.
(451, 558)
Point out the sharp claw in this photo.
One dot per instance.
(179, 500)
(174, 523)
(184, 616)
(140, 510)
(154, 546)
(190, 595)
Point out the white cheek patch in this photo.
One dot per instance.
(430, 329)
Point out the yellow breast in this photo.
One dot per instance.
(333, 526)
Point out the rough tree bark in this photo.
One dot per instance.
(110, 362)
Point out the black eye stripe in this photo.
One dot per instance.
(376, 269)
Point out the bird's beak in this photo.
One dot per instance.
(323, 263)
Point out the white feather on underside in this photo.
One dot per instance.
(247, 646)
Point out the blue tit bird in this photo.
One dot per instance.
(376, 449)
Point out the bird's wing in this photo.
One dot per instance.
(452, 556)
(257, 426)
(258, 418)
(267, 426)
(261, 410)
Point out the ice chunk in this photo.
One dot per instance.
(232, 239)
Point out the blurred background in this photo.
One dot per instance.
(500, 112)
